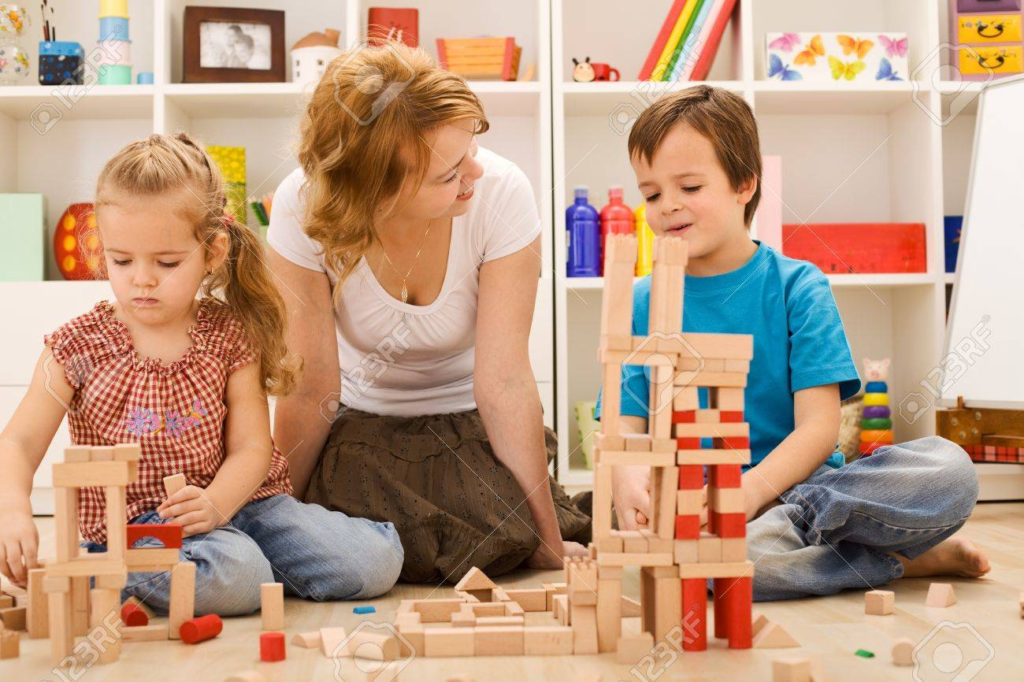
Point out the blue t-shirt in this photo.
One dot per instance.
(799, 340)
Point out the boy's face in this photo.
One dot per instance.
(688, 194)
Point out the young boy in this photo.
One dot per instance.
(815, 526)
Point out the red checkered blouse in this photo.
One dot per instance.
(175, 412)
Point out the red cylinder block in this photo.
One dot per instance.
(695, 614)
(200, 629)
(133, 616)
(721, 632)
(272, 647)
(738, 598)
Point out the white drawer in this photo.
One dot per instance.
(10, 396)
(36, 309)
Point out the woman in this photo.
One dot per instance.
(409, 258)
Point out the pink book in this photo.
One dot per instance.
(710, 48)
(702, 39)
(769, 210)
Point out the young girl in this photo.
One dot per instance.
(187, 377)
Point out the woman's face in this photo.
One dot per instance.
(453, 169)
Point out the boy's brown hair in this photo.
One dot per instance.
(719, 115)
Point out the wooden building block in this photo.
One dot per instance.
(331, 640)
(105, 616)
(729, 399)
(147, 633)
(584, 629)
(10, 644)
(415, 636)
(549, 640)
(734, 549)
(66, 524)
(637, 442)
(712, 456)
(609, 544)
(80, 605)
(306, 640)
(499, 621)
(940, 595)
(443, 642)
(655, 544)
(37, 619)
(182, 598)
(475, 579)
(173, 484)
(506, 641)
(686, 551)
(272, 606)
(608, 573)
(633, 542)
(483, 610)
(716, 430)
(791, 670)
(664, 485)
(611, 382)
(437, 610)
(602, 502)
(462, 619)
(375, 646)
(77, 453)
(879, 602)
(631, 648)
(668, 596)
(604, 441)
(560, 608)
(903, 652)
(686, 399)
(62, 639)
(127, 452)
(757, 622)
(112, 581)
(709, 549)
(90, 474)
(13, 618)
(727, 500)
(774, 636)
(609, 613)
(529, 600)
(738, 569)
(635, 559)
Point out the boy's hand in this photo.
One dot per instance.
(193, 509)
(631, 495)
(19, 545)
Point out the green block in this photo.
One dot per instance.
(876, 423)
(22, 237)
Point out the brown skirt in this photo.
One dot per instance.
(436, 478)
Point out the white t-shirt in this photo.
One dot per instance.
(408, 360)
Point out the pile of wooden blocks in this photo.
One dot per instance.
(676, 557)
(74, 608)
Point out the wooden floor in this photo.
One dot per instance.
(830, 629)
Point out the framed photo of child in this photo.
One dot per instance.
(233, 45)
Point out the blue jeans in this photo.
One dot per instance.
(317, 554)
(836, 529)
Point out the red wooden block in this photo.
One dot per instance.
(732, 442)
(721, 632)
(688, 443)
(730, 416)
(729, 525)
(687, 526)
(695, 614)
(840, 248)
(132, 616)
(200, 629)
(725, 475)
(272, 647)
(167, 533)
(691, 477)
(685, 417)
(738, 595)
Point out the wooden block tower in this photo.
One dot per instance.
(675, 555)
(74, 609)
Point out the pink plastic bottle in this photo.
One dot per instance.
(616, 218)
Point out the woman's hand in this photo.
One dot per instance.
(545, 558)
(19, 543)
(193, 509)
(631, 495)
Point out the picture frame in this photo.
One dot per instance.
(233, 45)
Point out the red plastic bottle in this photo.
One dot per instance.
(616, 218)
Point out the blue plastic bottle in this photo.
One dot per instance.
(582, 237)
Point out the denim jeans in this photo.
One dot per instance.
(317, 554)
(836, 530)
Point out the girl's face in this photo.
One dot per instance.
(453, 169)
(154, 261)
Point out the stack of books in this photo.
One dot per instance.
(688, 40)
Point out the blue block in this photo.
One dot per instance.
(364, 609)
(68, 48)
(876, 387)
(114, 28)
(144, 78)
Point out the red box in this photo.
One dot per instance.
(843, 248)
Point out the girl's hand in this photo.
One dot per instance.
(19, 544)
(193, 509)
(631, 495)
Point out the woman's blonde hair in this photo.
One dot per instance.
(364, 135)
(164, 163)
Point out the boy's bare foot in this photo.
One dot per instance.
(956, 556)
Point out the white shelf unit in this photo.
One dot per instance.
(869, 153)
(86, 126)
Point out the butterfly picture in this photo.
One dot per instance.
(847, 70)
(894, 48)
(815, 49)
(852, 45)
(886, 72)
(786, 42)
(782, 71)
